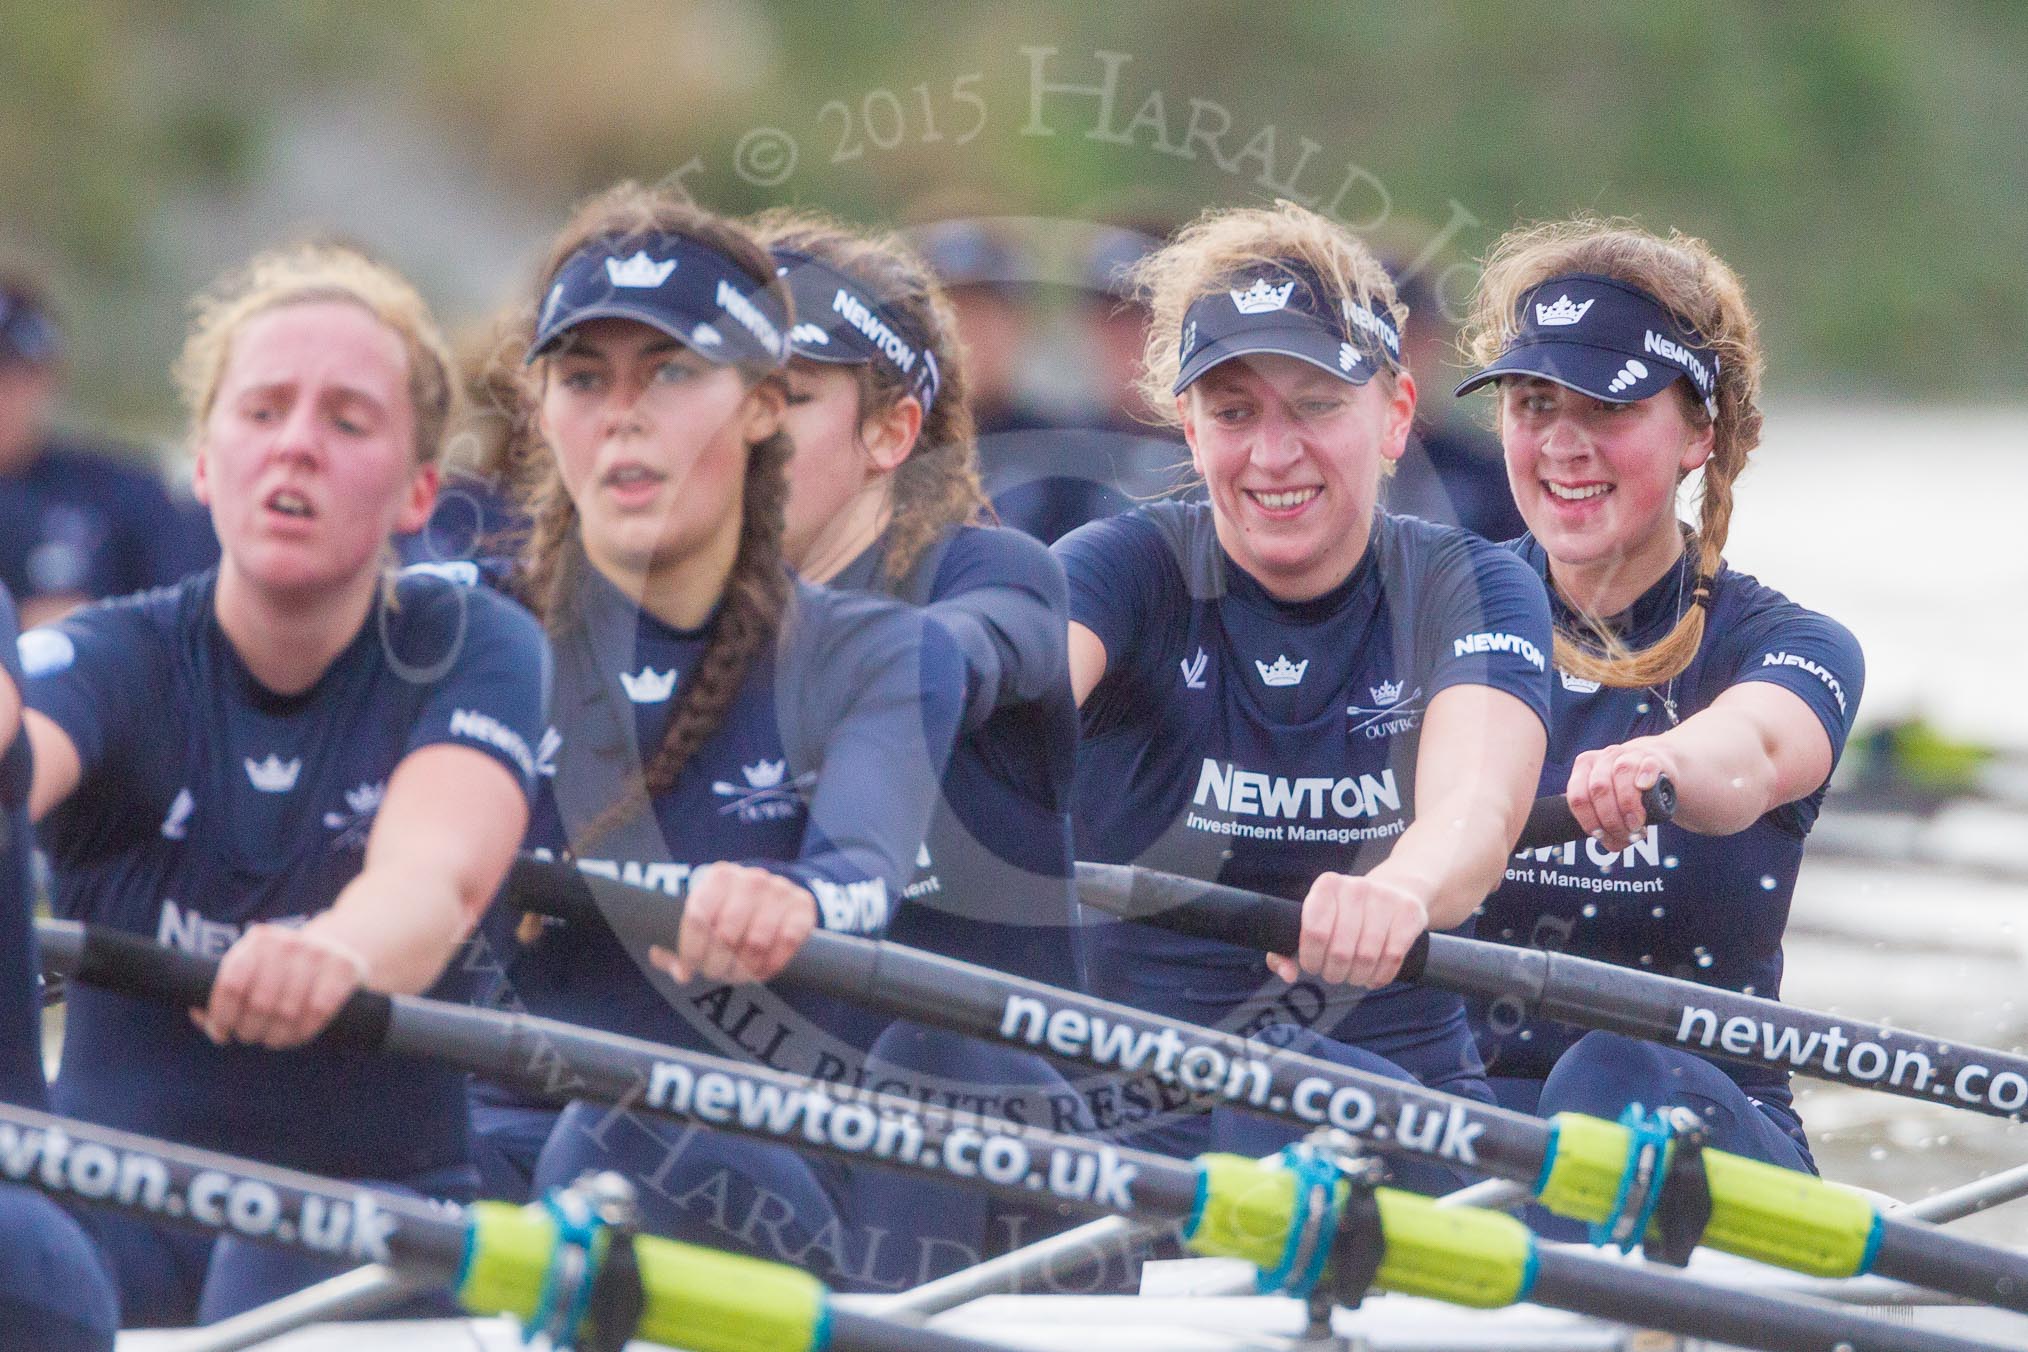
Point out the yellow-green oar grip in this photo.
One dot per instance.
(1244, 1209)
(694, 1298)
(1462, 1255)
(506, 1254)
(1583, 1177)
(1790, 1219)
(708, 1301)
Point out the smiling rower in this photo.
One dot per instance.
(1624, 362)
(1287, 689)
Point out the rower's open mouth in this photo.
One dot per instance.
(1575, 492)
(290, 502)
(1284, 500)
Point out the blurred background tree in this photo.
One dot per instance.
(1862, 163)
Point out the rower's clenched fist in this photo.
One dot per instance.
(1606, 785)
(1356, 931)
(279, 986)
(740, 924)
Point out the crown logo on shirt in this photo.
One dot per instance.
(1283, 672)
(649, 686)
(274, 775)
(1577, 685)
(1562, 313)
(1260, 298)
(640, 270)
(764, 774)
(1386, 693)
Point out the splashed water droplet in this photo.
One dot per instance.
(1658, 912)
(1669, 861)
(1590, 910)
(1704, 958)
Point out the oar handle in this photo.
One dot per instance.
(131, 965)
(1272, 924)
(1551, 822)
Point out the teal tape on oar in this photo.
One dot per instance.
(1640, 1187)
(571, 1273)
(1313, 1221)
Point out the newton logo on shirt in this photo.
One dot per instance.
(1499, 643)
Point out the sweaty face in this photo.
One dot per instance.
(1292, 457)
(829, 465)
(651, 440)
(307, 457)
(1596, 481)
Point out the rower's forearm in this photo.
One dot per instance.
(1724, 773)
(406, 934)
(1453, 857)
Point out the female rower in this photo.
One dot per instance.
(1286, 689)
(296, 761)
(1624, 362)
(53, 1290)
(771, 747)
(883, 497)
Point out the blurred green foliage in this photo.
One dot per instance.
(1861, 163)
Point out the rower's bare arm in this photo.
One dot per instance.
(1475, 778)
(1087, 661)
(442, 842)
(57, 765)
(1758, 746)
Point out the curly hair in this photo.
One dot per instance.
(937, 486)
(1689, 280)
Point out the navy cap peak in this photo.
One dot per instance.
(686, 288)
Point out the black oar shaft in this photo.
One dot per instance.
(1532, 982)
(1390, 1115)
(1019, 1161)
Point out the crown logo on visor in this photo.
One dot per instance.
(649, 686)
(1562, 313)
(1260, 298)
(274, 775)
(640, 270)
(1283, 672)
(1386, 693)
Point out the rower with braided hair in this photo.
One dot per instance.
(1624, 362)
(767, 748)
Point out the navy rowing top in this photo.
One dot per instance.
(208, 802)
(824, 770)
(993, 886)
(1257, 742)
(1705, 908)
(85, 519)
(21, 1080)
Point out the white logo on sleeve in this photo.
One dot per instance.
(545, 753)
(176, 826)
(274, 775)
(1499, 643)
(1561, 314)
(1260, 298)
(1193, 670)
(486, 729)
(649, 686)
(1787, 659)
(45, 651)
(640, 270)
(1282, 672)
